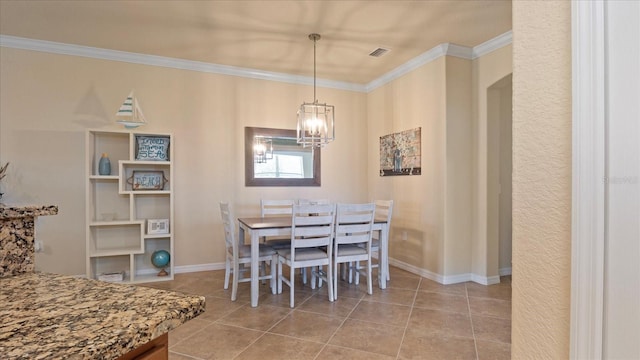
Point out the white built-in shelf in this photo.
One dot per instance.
(117, 212)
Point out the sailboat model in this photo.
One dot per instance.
(130, 114)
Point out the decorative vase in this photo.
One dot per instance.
(104, 166)
(397, 161)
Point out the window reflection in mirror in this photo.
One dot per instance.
(289, 160)
(290, 165)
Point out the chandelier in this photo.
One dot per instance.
(315, 121)
(262, 149)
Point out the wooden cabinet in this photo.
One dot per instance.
(121, 205)
(156, 349)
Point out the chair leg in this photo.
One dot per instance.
(291, 284)
(274, 260)
(263, 271)
(313, 272)
(303, 273)
(227, 273)
(279, 276)
(234, 285)
(320, 271)
(335, 279)
(369, 281)
(357, 273)
(387, 270)
(330, 282)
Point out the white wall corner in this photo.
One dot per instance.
(588, 187)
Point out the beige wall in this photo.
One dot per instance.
(541, 179)
(433, 215)
(417, 99)
(457, 239)
(47, 101)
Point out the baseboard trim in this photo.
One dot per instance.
(485, 280)
(199, 267)
(446, 280)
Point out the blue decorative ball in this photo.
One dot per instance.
(160, 258)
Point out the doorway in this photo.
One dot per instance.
(499, 169)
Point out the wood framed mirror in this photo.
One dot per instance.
(289, 163)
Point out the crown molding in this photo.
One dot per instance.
(153, 60)
(459, 51)
(496, 43)
(409, 66)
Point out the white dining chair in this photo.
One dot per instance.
(239, 254)
(384, 210)
(352, 240)
(270, 207)
(312, 202)
(312, 228)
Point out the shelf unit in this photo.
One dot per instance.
(117, 214)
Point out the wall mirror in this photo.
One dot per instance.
(272, 157)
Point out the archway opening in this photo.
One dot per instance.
(499, 170)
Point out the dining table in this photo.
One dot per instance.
(257, 227)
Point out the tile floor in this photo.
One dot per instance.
(414, 318)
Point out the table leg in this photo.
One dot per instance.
(255, 253)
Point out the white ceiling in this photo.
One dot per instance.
(265, 35)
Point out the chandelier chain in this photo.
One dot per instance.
(315, 40)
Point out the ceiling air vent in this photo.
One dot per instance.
(379, 52)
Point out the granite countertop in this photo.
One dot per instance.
(46, 316)
(19, 211)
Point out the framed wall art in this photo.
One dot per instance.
(400, 153)
(152, 148)
(157, 226)
(147, 180)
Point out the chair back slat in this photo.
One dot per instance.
(354, 223)
(275, 207)
(308, 220)
(229, 227)
(312, 225)
(384, 209)
(313, 201)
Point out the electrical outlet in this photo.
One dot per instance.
(39, 246)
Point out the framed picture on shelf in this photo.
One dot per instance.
(157, 226)
(147, 180)
(152, 148)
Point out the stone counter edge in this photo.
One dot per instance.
(15, 211)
